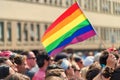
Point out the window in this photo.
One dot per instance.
(25, 31)
(37, 0)
(105, 6)
(67, 2)
(79, 1)
(107, 33)
(32, 32)
(46, 27)
(90, 5)
(19, 31)
(94, 5)
(113, 36)
(9, 32)
(71, 2)
(118, 35)
(38, 32)
(60, 2)
(55, 2)
(45, 1)
(103, 36)
(1, 31)
(50, 1)
(87, 4)
(116, 8)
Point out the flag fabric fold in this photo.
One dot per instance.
(70, 28)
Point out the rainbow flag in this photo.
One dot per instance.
(70, 28)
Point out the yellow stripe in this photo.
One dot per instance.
(64, 30)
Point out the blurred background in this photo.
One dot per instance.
(23, 22)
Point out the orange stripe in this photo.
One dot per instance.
(63, 23)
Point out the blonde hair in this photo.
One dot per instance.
(17, 76)
(53, 78)
(54, 74)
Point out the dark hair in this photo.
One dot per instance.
(54, 70)
(53, 66)
(103, 58)
(26, 53)
(19, 59)
(77, 59)
(3, 59)
(41, 57)
(92, 73)
(4, 71)
(60, 56)
(116, 74)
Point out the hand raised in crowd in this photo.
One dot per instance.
(111, 61)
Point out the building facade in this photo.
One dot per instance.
(23, 22)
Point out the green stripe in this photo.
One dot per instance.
(66, 35)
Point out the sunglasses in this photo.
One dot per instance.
(32, 58)
(69, 67)
(77, 70)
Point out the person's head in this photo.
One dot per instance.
(5, 70)
(31, 58)
(88, 60)
(95, 65)
(111, 50)
(67, 66)
(5, 54)
(60, 56)
(21, 63)
(91, 73)
(97, 57)
(79, 61)
(104, 56)
(55, 70)
(90, 53)
(4, 60)
(93, 70)
(17, 76)
(54, 78)
(42, 59)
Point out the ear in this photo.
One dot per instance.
(67, 71)
(46, 62)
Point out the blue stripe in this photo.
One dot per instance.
(77, 33)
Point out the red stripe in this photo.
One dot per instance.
(67, 13)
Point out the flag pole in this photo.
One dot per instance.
(101, 40)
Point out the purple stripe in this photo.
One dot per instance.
(56, 51)
(75, 40)
(83, 37)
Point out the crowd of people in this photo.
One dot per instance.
(29, 65)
